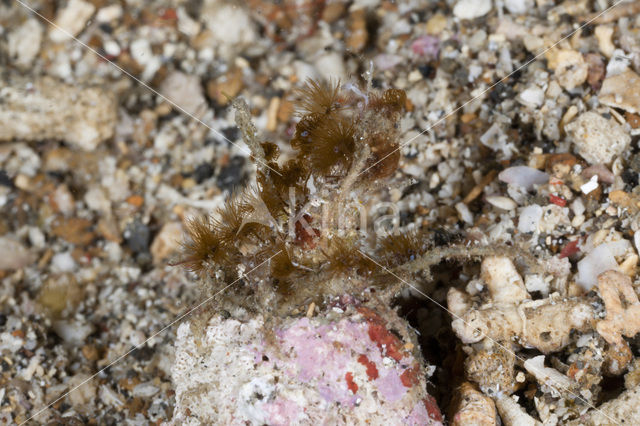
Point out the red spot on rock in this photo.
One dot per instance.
(409, 377)
(570, 249)
(372, 370)
(353, 387)
(386, 341)
(432, 408)
(558, 201)
(305, 235)
(169, 14)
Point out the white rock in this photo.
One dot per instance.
(141, 52)
(552, 217)
(464, 213)
(231, 26)
(48, 109)
(535, 282)
(96, 199)
(145, 390)
(112, 48)
(590, 186)
(36, 237)
(24, 42)
(622, 91)
(386, 61)
(186, 25)
(530, 218)
(109, 13)
(471, 9)
(71, 20)
(113, 251)
(497, 140)
(604, 33)
(9, 342)
(63, 199)
(63, 262)
(532, 97)
(618, 63)
(185, 90)
(502, 202)
(27, 373)
(597, 139)
(109, 397)
(569, 66)
(578, 206)
(523, 176)
(503, 280)
(599, 260)
(532, 43)
(86, 389)
(13, 255)
(331, 66)
(72, 331)
(518, 7)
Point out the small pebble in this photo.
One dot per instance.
(502, 202)
(622, 91)
(523, 176)
(232, 174)
(471, 9)
(597, 139)
(590, 186)
(137, 236)
(13, 254)
(71, 20)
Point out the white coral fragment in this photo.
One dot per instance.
(503, 280)
(473, 408)
(512, 414)
(623, 307)
(510, 315)
(550, 378)
(625, 409)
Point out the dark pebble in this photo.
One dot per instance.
(193, 8)
(630, 177)
(634, 163)
(137, 235)
(500, 92)
(5, 180)
(461, 77)
(443, 237)
(203, 172)
(107, 28)
(428, 71)
(231, 133)
(449, 65)
(232, 175)
(3, 320)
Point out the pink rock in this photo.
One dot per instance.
(344, 366)
(427, 46)
(604, 174)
